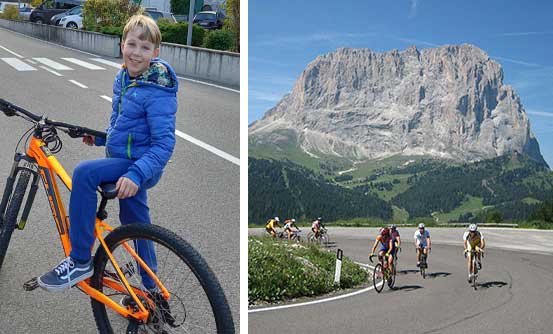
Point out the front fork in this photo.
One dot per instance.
(20, 162)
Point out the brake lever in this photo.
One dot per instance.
(75, 132)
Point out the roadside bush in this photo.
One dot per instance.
(111, 30)
(105, 13)
(10, 13)
(281, 270)
(219, 40)
(177, 33)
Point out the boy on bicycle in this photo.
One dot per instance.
(473, 239)
(388, 247)
(140, 141)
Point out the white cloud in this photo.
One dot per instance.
(333, 37)
(413, 9)
(519, 62)
(525, 33)
(264, 96)
(411, 41)
(540, 113)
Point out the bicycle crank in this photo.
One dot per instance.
(31, 284)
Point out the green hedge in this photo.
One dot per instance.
(219, 40)
(177, 33)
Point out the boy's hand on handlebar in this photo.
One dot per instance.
(89, 140)
(125, 188)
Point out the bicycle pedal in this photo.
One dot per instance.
(31, 284)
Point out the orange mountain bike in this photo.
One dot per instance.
(187, 297)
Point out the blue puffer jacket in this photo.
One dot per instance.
(142, 124)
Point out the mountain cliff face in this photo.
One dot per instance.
(447, 102)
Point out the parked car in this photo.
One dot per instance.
(72, 21)
(49, 8)
(209, 19)
(156, 14)
(25, 13)
(55, 20)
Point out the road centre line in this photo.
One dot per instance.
(315, 301)
(198, 142)
(78, 83)
(51, 71)
(10, 51)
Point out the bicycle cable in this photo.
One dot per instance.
(26, 134)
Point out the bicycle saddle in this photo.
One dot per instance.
(108, 190)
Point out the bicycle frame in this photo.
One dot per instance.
(42, 162)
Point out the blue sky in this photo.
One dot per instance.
(284, 36)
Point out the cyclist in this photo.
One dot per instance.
(316, 226)
(288, 224)
(422, 242)
(385, 239)
(140, 141)
(473, 239)
(395, 235)
(270, 226)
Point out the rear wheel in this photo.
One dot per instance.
(196, 304)
(39, 21)
(72, 25)
(475, 271)
(378, 278)
(9, 219)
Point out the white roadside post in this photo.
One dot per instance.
(338, 271)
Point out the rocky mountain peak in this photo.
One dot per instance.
(447, 102)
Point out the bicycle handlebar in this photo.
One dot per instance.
(73, 131)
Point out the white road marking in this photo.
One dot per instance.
(10, 51)
(31, 61)
(315, 301)
(210, 84)
(53, 64)
(107, 62)
(18, 64)
(198, 142)
(51, 71)
(83, 64)
(208, 147)
(78, 83)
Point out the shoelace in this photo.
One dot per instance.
(64, 265)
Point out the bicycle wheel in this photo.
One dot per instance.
(197, 303)
(378, 278)
(475, 271)
(392, 278)
(9, 220)
(310, 237)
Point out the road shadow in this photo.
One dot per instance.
(437, 275)
(492, 284)
(407, 288)
(408, 271)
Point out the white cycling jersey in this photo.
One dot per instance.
(421, 238)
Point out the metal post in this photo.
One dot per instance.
(190, 19)
(338, 271)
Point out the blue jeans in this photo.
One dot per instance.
(87, 176)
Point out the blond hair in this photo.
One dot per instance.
(148, 29)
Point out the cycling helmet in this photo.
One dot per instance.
(319, 219)
(393, 227)
(276, 218)
(421, 225)
(385, 231)
(473, 227)
(293, 220)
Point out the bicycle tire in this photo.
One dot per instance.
(474, 271)
(310, 237)
(378, 277)
(9, 222)
(392, 279)
(205, 284)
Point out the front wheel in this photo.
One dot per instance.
(378, 278)
(72, 25)
(196, 303)
(9, 219)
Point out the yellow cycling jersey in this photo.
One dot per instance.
(271, 224)
(474, 239)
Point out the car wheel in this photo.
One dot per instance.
(72, 25)
(39, 21)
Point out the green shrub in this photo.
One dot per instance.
(10, 13)
(105, 13)
(219, 40)
(111, 30)
(177, 33)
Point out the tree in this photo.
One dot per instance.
(182, 7)
(232, 22)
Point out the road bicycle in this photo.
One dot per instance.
(423, 265)
(382, 273)
(295, 236)
(474, 266)
(187, 297)
(321, 238)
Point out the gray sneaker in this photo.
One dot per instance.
(65, 275)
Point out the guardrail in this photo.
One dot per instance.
(216, 66)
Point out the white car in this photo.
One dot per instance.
(72, 21)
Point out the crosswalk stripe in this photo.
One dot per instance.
(107, 62)
(53, 64)
(18, 64)
(78, 83)
(30, 61)
(51, 71)
(83, 64)
(10, 51)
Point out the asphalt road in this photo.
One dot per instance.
(198, 193)
(514, 293)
